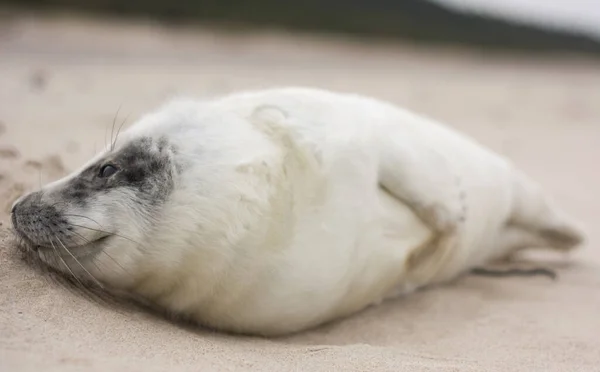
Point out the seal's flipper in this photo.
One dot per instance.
(422, 179)
(543, 224)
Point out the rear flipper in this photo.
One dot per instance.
(514, 272)
(425, 179)
(515, 238)
(536, 223)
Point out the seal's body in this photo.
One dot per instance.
(274, 211)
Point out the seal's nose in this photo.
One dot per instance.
(13, 214)
(13, 209)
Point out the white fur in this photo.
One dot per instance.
(298, 206)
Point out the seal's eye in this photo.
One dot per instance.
(107, 170)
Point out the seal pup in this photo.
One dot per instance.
(269, 212)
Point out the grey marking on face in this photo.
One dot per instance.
(145, 166)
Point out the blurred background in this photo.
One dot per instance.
(484, 66)
(565, 25)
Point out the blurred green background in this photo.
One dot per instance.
(412, 20)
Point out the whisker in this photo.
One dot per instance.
(53, 275)
(96, 266)
(106, 134)
(87, 241)
(64, 262)
(48, 265)
(79, 263)
(113, 127)
(33, 259)
(115, 261)
(119, 131)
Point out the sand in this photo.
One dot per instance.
(62, 81)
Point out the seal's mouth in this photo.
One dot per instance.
(54, 244)
(47, 228)
(89, 244)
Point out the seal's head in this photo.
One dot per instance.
(117, 196)
(164, 211)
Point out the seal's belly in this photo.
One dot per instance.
(335, 271)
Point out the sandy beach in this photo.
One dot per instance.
(62, 81)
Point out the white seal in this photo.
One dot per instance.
(273, 211)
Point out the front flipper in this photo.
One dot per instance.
(424, 180)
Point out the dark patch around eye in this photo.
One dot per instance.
(140, 167)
